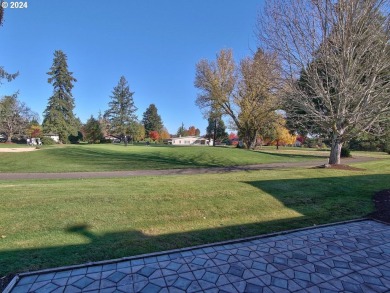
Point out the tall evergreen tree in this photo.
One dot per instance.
(151, 120)
(58, 116)
(219, 128)
(182, 131)
(93, 130)
(121, 113)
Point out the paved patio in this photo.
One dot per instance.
(349, 257)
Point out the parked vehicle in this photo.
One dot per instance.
(3, 137)
(34, 141)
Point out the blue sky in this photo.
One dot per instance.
(155, 44)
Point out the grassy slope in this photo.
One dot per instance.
(60, 222)
(117, 157)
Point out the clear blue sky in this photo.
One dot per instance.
(155, 44)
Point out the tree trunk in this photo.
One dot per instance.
(252, 144)
(335, 151)
(250, 140)
(215, 132)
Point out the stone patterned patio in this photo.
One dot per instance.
(349, 257)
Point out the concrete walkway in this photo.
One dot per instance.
(348, 257)
(189, 171)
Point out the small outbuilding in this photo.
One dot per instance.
(53, 136)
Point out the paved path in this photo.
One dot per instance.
(349, 257)
(110, 174)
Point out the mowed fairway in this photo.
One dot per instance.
(109, 157)
(48, 223)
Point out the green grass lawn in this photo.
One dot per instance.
(109, 157)
(48, 223)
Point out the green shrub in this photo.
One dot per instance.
(103, 140)
(241, 145)
(47, 140)
(19, 140)
(345, 153)
(311, 143)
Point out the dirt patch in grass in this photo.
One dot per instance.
(345, 167)
(17, 150)
(339, 167)
(382, 206)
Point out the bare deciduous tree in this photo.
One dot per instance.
(336, 64)
(15, 116)
(245, 94)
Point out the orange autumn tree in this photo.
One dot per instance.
(34, 131)
(192, 131)
(165, 134)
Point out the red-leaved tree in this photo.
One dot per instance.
(232, 136)
(154, 135)
(301, 139)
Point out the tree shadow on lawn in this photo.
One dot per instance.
(110, 160)
(328, 198)
(123, 244)
(316, 200)
(303, 156)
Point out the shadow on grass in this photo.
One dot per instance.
(163, 158)
(317, 200)
(306, 156)
(113, 160)
(326, 198)
(126, 243)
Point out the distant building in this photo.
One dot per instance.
(53, 136)
(189, 140)
(111, 137)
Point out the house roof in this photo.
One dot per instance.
(187, 137)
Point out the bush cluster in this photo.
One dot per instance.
(47, 140)
(345, 153)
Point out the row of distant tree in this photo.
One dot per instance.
(119, 120)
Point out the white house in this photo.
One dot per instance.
(189, 140)
(53, 136)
